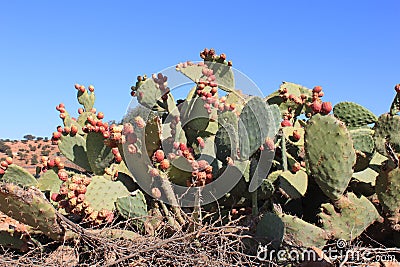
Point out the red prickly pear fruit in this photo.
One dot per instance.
(106, 135)
(55, 197)
(51, 163)
(100, 115)
(397, 88)
(87, 181)
(81, 189)
(118, 158)
(59, 129)
(91, 88)
(202, 164)
(93, 110)
(140, 122)
(164, 164)
(158, 156)
(316, 106)
(269, 143)
(286, 123)
(56, 135)
(4, 164)
(128, 128)
(296, 135)
(222, 56)
(77, 86)
(296, 167)
(63, 190)
(63, 175)
(132, 149)
(63, 116)
(60, 166)
(303, 164)
(80, 198)
(234, 212)
(182, 146)
(232, 106)
(9, 160)
(80, 111)
(57, 161)
(72, 187)
(201, 142)
(115, 151)
(317, 89)
(155, 192)
(2, 171)
(82, 88)
(154, 172)
(326, 107)
(67, 130)
(74, 129)
(321, 94)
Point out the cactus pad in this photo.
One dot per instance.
(74, 149)
(295, 185)
(19, 176)
(103, 193)
(362, 140)
(98, 154)
(354, 216)
(30, 207)
(329, 154)
(133, 206)
(387, 129)
(256, 123)
(353, 114)
(388, 191)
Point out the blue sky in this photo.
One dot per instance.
(351, 48)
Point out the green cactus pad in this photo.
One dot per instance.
(86, 99)
(98, 154)
(330, 155)
(395, 107)
(19, 176)
(354, 115)
(180, 171)
(152, 134)
(363, 140)
(225, 141)
(12, 239)
(133, 206)
(102, 193)
(271, 228)
(30, 207)
(256, 123)
(49, 181)
(288, 132)
(149, 95)
(302, 233)
(74, 149)
(295, 185)
(354, 216)
(388, 191)
(82, 119)
(194, 115)
(387, 129)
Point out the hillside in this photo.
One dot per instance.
(27, 153)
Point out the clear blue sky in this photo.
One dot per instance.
(351, 48)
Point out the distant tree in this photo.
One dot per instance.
(46, 139)
(29, 137)
(34, 159)
(4, 147)
(9, 153)
(39, 138)
(45, 153)
(134, 112)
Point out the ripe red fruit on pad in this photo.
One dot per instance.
(326, 107)
(316, 106)
(296, 167)
(317, 89)
(164, 164)
(158, 155)
(56, 135)
(296, 135)
(63, 175)
(74, 129)
(91, 88)
(156, 193)
(100, 115)
(55, 197)
(9, 160)
(80, 110)
(286, 123)
(154, 172)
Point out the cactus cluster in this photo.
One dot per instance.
(302, 172)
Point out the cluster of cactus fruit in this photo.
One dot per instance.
(330, 176)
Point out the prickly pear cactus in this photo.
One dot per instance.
(354, 216)
(17, 175)
(388, 191)
(133, 206)
(30, 207)
(330, 155)
(353, 114)
(387, 131)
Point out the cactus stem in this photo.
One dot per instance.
(169, 192)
